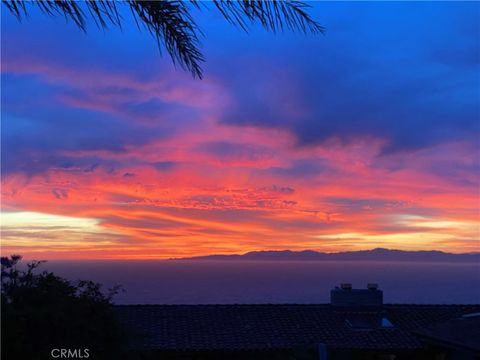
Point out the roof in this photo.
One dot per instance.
(461, 332)
(276, 326)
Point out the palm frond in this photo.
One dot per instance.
(171, 22)
(177, 30)
(102, 11)
(274, 15)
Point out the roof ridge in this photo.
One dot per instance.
(294, 304)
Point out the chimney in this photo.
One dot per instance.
(372, 286)
(346, 286)
(348, 299)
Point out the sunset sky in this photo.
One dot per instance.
(365, 137)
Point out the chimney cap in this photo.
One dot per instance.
(348, 299)
(372, 286)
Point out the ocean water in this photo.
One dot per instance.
(241, 282)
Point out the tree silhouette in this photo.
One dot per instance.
(171, 22)
(42, 312)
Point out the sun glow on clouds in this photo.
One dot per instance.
(116, 162)
(32, 233)
(28, 220)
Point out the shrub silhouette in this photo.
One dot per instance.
(42, 311)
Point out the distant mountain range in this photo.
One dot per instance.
(378, 254)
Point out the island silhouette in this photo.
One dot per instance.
(377, 254)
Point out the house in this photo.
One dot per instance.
(356, 324)
(455, 339)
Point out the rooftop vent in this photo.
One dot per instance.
(372, 286)
(346, 286)
(368, 321)
(347, 298)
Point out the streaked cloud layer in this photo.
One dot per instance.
(362, 138)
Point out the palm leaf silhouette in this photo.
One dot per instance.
(171, 22)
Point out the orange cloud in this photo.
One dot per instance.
(330, 198)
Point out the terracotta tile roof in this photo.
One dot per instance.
(276, 326)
